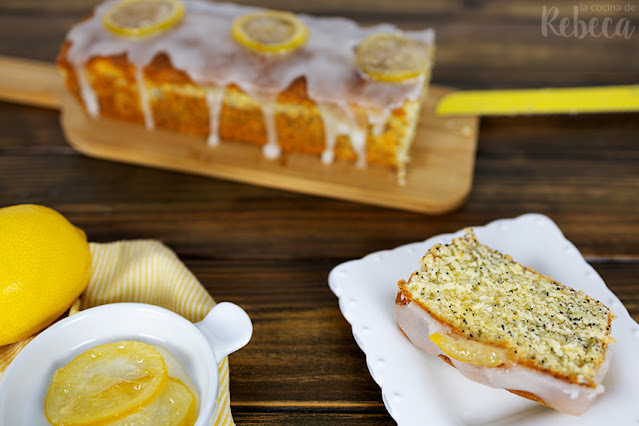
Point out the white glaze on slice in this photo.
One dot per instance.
(565, 397)
(201, 45)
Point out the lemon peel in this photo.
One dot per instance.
(468, 351)
(137, 18)
(45, 267)
(270, 31)
(392, 57)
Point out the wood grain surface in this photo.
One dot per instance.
(271, 251)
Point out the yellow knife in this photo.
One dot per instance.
(541, 101)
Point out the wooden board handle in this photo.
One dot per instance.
(30, 82)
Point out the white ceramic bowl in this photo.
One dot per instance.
(197, 347)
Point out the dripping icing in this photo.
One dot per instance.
(214, 103)
(377, 121)
(332, 129)
(358, 142)
(271, 150)
(326, 61)
(144, 99)
(86, 92)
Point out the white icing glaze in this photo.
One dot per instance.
(86, 92)
(378, 120)
(565, 397)
(333, 127)
(214, 103)
(271, 149)
(357, 137)
(201, 46)
(149, 122)
(340, 120)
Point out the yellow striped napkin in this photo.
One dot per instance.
(143, 271)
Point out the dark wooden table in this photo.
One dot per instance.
(271, 251)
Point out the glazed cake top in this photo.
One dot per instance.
(202, 46)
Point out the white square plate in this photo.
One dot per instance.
(418, 389)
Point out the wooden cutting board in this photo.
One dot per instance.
(438, 179)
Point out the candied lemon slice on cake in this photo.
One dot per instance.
(392, 57)
(175, 406)
(468, 351)
(105, 384)
(270, 31)
(135, 18)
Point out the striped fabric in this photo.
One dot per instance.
(143, 271)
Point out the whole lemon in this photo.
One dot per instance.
(45, 263)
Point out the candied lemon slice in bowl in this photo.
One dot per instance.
(105, 384)
(175, 406)
(195, 347)
(270, 31)
(392, 57)
(136, 18)
(469, 351)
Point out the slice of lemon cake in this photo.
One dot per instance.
(506, 326)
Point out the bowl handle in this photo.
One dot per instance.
(227, 328)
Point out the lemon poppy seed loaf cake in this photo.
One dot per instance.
(288, 83)
(506, 326)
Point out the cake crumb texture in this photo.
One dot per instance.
(490, 298)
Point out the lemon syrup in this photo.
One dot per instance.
(176, 370)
